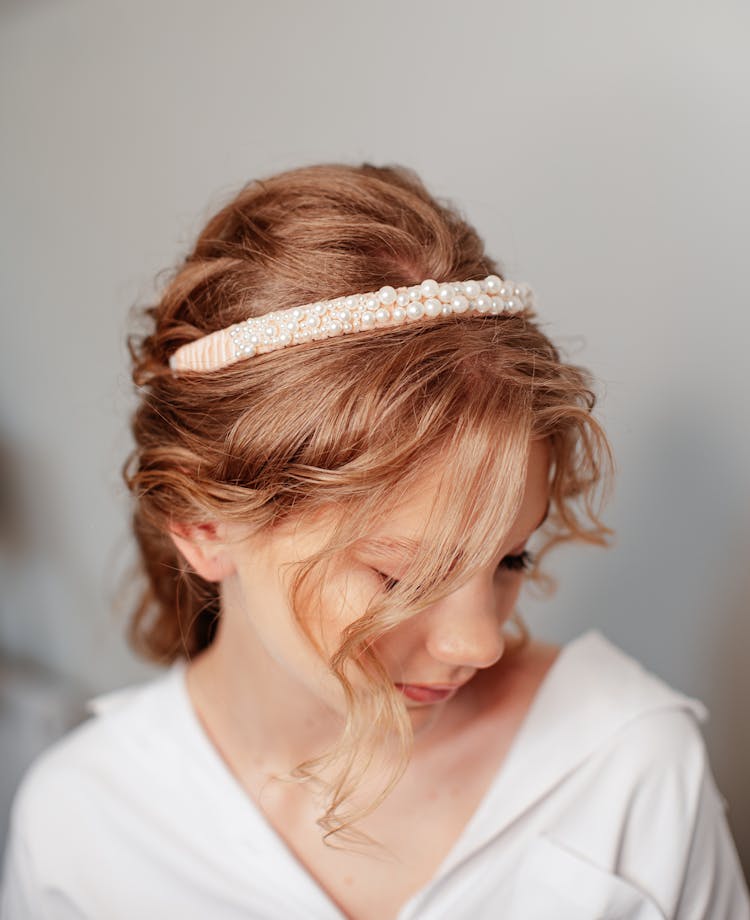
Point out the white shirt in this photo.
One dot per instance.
(605, 807)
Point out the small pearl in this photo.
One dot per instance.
(403, 299)
(493, 284)
(415, 292)
(446, 311)
(524, 292)
(382, 315)
(334, 329)
(414, 310)
(432, 307)
(351, 302)
(319, 308)
(399, 314)
(484, 303)
(472, 289)
(429, 288)
(387, 294)
(459, 304)
(285, 338)
(344, 316)
(446, 293)
(368, 318)
(372, 304)
(497, 305)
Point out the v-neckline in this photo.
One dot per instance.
(461, 843)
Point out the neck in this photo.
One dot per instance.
(257, 713)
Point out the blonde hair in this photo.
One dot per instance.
(347, 425)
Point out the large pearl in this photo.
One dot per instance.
(429, 288)
(387, 294)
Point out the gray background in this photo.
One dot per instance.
(601, 149)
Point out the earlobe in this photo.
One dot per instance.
(199, 544)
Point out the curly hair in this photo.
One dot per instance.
(346, 426)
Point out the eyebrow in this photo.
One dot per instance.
(404, 544)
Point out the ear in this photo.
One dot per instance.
(201, 546)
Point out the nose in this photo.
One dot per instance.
(465, 628)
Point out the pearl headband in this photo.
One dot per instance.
(325, 319)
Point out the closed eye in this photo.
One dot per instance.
(520, 562)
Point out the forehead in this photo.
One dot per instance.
(401, 531)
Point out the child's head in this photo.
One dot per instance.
(273, 478)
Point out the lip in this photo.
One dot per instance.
(428, 693)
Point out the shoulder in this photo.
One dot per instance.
(102, 766)
(636, 802)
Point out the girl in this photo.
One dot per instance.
(350, 428)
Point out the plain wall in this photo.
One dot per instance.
(600, 148)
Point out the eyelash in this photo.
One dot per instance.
(521, 562)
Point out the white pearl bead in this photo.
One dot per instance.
(399, 314)
(415, 292)
(387, 294)
(429, 288)
(432, 307)
(402, 299)
(446, 293)
(459, 304)
(414, 310)
(334, 329)
(484, 303)
(344, 316)
(371, 304)
(382, 315)
(497, 305)
(524, 292)
(472, 289)
(494, 283)
(368, 318)
(446, 311)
